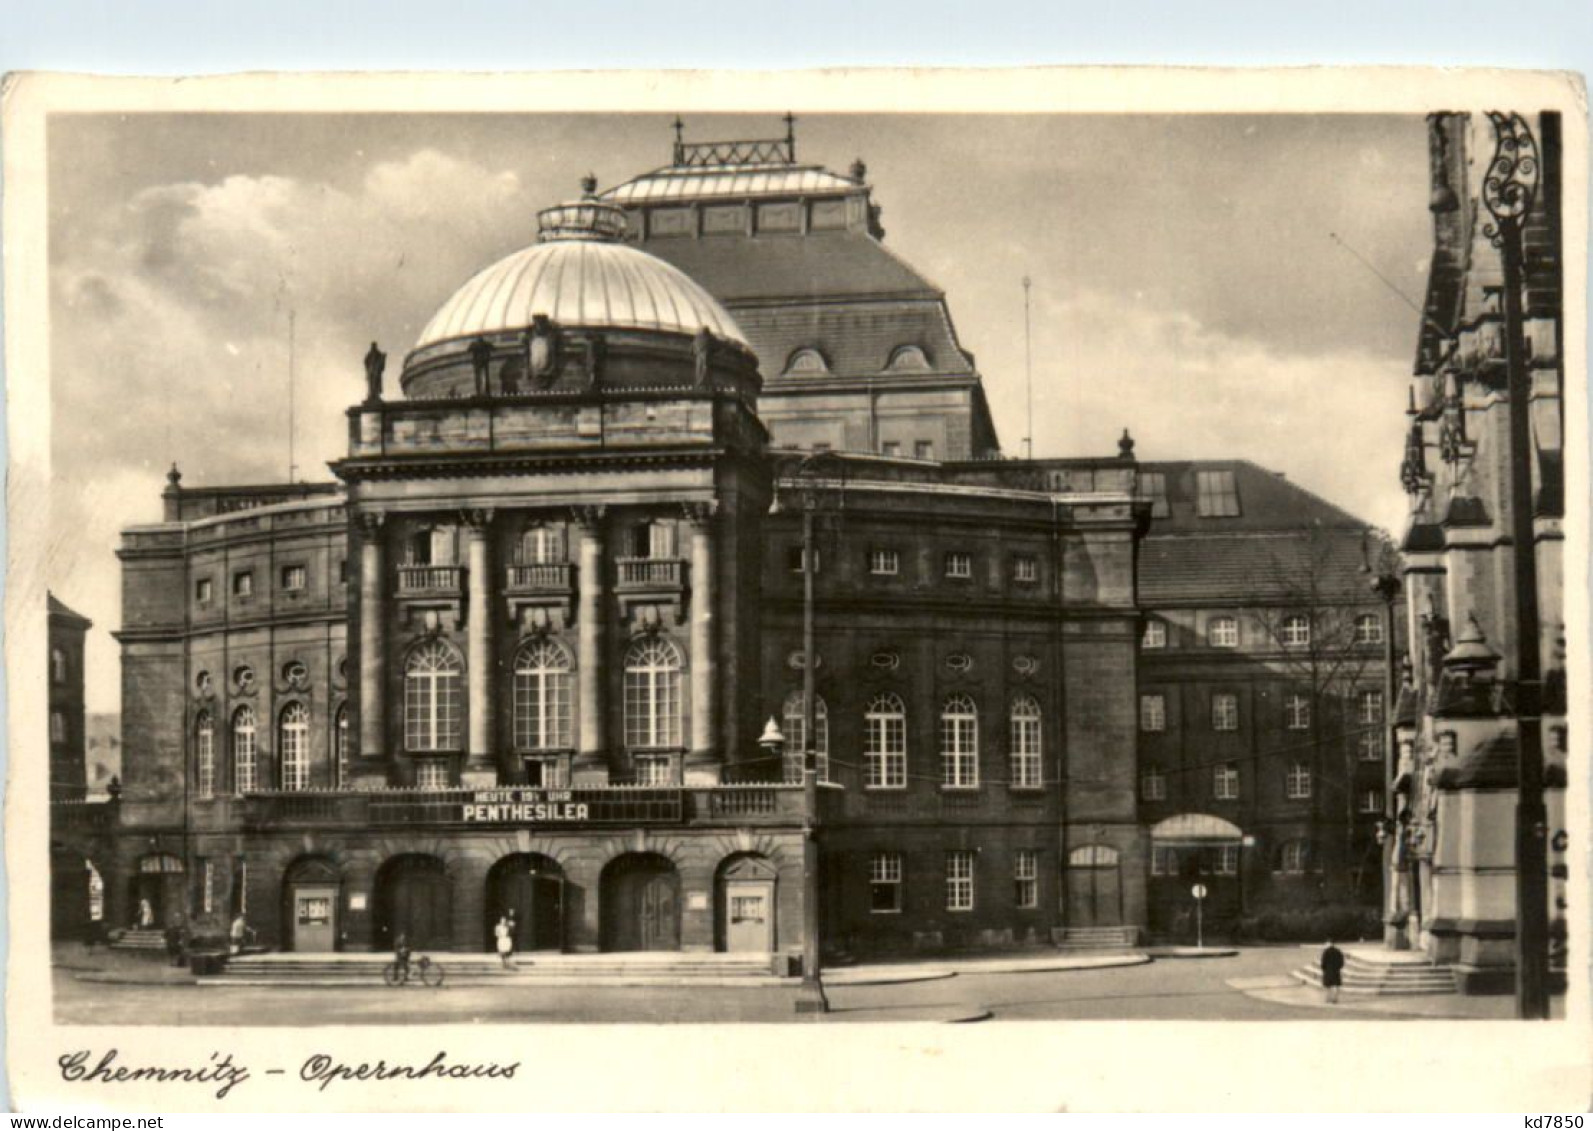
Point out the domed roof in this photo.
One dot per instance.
(577, 274)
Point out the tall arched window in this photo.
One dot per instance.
(293, 746)
(244, 751)
(205, 755)
(959, 743)
(652, 695)
(340, 746)
(795, 723)
(541, 544)
(541, 697)
(1026, 761)
(885, 743)
(431, 698)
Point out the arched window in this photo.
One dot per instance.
(795, 723)
(244, 751)
(293, 746)
(806, 360)
(541, 544)
(959, 743)
(541, 697)
(57, 665)
(340, 746)
(910, 359)
(652, 695)
(205, 755)
(885, 743)
(431, 698)
(1026, 762)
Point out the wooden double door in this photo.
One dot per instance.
(413, 899)
(640, 904)
(531, 890)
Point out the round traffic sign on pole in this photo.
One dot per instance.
(1198, 891)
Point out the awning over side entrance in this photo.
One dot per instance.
(1196, 829)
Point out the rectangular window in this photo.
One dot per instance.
(1215, 494)
(1152, 713)
(1225, 783)
(1153, 785)
(1297, 785)
(1153, 486)
(1026, 771)
(1296, 632)
(240, 887)
(1223, 632)
(923, 449)
(1226, 862)
(1370, 707)
(1372, 801)
(885, 751)
(1368, 629)
(342, 571)
(671, 222)
(207, 885)
(1026, 878)
(1164, 860)
(243, 583)
(780, 217)
(546, 773)
(654, 769)
(891, 448)
(884, 563)
(793, 559)
(204, 591)
(959, 565)
(1297, 713)
(725, 218)
(1224, 712)
(885, 882)
(293, 578)
(1025, 569)
(58, 727)
(959, 750)
(1155, 635)
(959, 880)
(1371, 746)
(1293, 856)
(827, 215)
(431, 773)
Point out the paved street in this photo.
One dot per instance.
(131, 990)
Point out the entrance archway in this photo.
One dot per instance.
(155, 891)
(531, 886)
(1190, 849)
(1095, 886)
(413, 899)
(639, 903)
(311, 894)
(744, 905)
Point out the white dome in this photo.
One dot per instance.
(578, 276)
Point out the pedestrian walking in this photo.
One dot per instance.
(505, 942)
(1332, 963)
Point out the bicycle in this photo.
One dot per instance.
(422, 969)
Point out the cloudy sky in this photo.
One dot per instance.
(1186, 284)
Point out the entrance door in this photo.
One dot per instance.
(1095, 893)
(660, 911)
(314, 918)
(640, 907)
(532, 887)
(749, 916)
(413, 891)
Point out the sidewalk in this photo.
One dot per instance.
(1284, 990)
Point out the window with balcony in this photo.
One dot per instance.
(652, 694)
(1297, 782)
(432, 707)
(541, 544)
(542, 696)
(293, 746)
(959, 565)
(1026, 878)
(1223, 632)
(795, 722)
(1225, 783)
(1026, 769)
(244, 751)
(1216, 496)
(885, 882)
(1368, 629)
(204, 755)
(959, 743)
(959, 880)
(884, 563)
(1224, 712)
(885, 743)
(1152, 713)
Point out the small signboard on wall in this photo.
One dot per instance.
(696, 901)
(356, 901)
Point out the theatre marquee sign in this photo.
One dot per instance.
(568, 807)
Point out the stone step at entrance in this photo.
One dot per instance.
(1076, 939)
(141, 938)
(1383, 973)
(569, 969)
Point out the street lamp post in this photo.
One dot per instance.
(1508, 190)
(1385, 584)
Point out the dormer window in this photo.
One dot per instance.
(806, 360)
(907, 359)
(1216, 496)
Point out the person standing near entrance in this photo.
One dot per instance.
(505, 942)
(1332, 963)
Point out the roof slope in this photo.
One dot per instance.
(61, 613)
(738, 269)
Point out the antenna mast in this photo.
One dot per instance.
(1028, 373)
(293, 467)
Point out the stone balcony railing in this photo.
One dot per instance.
(430, 579)
(82, 816)
(651, 573)
(544, 577)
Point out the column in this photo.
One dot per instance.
(591, 764)
(479, 769)
(703, 762)
(372, 718)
